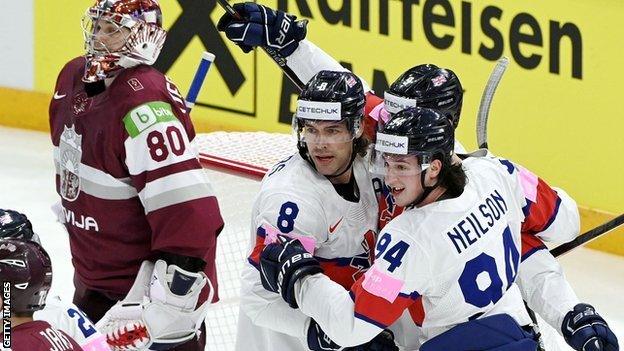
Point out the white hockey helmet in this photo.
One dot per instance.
(121, 34)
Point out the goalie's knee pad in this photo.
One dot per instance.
(494, 333)
(162, 302)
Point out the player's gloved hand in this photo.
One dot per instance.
(282, 264)
(318, 340)
(159, 311)
(384, 341)
(584, 330)
(263, 26)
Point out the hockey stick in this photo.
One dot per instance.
(486, 101)
(588, 236)
(202, 70)
(273, 54)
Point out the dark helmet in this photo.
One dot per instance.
(427, 86)
(26, 265)
(429, 134)
(15, 225)
(343, 89)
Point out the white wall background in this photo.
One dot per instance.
(17, 44)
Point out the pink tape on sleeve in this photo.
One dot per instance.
(379, 113)
(529, 183)
(381, 284)
(97, 344)
(271, 237)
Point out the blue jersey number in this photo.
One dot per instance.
(286, 219)
(393, 254)
(486, 264)
(85, 325)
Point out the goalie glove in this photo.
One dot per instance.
(159, 311)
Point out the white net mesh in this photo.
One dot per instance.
(249, 155)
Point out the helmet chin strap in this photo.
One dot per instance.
(347, 168)
(426, 191)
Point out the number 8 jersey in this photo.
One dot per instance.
(296, 200)
(436, 266)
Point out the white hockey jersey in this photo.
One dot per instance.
(296, 200)
(435, 266)
(67, 317)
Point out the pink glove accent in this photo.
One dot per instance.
(271, 237)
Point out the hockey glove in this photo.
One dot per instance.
(318, 340)
(262, 26)
(384, 341)
(584, 330)
(159, 311)
(282, 264)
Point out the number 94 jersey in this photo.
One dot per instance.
(450, 261)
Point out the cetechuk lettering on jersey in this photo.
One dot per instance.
(395, 104)
(325, 111)
(393, 144)
(478, 222)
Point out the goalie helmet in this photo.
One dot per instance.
(15, 225)
(427, 86)
(331, 96)
(121, 34)
(26, 265)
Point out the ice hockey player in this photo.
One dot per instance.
(59, 314)
(131, 186)
(26, 275)
(551, 215)
(322, 195)
(440, 259)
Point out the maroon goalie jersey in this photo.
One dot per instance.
(130, 183)
(40, 336)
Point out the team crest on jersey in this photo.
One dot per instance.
(81, 103)
(70, 152)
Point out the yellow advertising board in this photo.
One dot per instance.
(558, 110)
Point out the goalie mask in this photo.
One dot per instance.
(26, 265)
(121, 34)
(426, 86)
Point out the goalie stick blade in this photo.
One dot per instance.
(273, 54)
(588, 236)
(486, 101)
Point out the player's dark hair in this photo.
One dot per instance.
(361, 145)
(452, 177)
